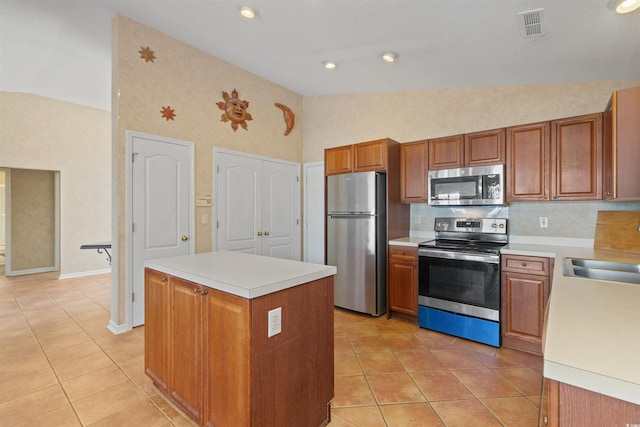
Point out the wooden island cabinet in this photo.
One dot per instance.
(207, 343)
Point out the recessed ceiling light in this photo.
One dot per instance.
(329, 65)
(247, 12)
(626, 6)
(390, 56)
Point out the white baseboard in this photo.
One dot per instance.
(30, 271)
(117, 329)
(83, 274)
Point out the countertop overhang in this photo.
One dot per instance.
(244, 275)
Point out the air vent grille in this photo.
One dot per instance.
(532, 23)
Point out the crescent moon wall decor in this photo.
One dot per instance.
(289, 117)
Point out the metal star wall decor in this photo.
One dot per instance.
(235, 110)
(146, 54)
(168, 113)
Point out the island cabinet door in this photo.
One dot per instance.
(156, 349)
(186, 384)
(227, 356)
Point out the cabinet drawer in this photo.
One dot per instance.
(403, 252)
(525, 264)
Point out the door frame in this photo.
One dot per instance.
(129, 135)
(56, 226)
(305, 236)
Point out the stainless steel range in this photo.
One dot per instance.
(459, 278)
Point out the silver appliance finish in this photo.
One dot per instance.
(467, 236)
(356, 240)
(454, 180)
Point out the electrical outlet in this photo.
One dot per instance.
(544, 222)
(275, 321)
(205, 219)
(417, 219)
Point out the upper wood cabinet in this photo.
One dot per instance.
(370, 156)
(556, 160)
(446, 152)
(484, 148)
(471, 149)
(362, 157)
(621, 149)
(414, 163)
(338, 160)
(528, 162)
(576, 158)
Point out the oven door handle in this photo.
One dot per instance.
(462, 256)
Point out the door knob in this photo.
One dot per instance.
(259, 233)
(185, 238)
(266, 233)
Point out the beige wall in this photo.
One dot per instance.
(46, 134)
(331, 121)
(32, 220)
(191, 82)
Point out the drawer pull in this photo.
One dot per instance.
(524, 264)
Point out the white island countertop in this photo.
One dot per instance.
(245, 275)
(592, 332)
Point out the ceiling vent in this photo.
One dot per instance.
(532, 23)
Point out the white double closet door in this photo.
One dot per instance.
(256, 205)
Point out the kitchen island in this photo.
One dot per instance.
(237, 339)
(591, 341)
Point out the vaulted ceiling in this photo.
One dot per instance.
(62, 48)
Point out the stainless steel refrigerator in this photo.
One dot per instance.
(357, 240)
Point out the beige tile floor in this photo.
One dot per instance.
(60, 366)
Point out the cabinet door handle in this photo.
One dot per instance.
(164, 279)
(185, 238)
(259, 233)
(204, 292)
(266, 233)
(195, 290)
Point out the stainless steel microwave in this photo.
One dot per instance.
(483, 185)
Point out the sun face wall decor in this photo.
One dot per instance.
(235, 110)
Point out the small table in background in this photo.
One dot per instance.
(100, 247)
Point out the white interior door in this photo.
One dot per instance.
(238, 204)
(162, 183)
(314, 215)
(280, 210)
(257, 208)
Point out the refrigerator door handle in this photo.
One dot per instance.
(352, 215)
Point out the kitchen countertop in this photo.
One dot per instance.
(245, 275)
(592, 332)
(408, 241)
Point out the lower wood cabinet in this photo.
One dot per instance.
(568, 406)
(526, 283)
(210, 353)
(403, 279)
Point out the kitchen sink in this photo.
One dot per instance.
(602, 270)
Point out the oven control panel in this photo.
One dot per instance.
(472, 225)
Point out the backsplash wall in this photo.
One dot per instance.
(566, 219)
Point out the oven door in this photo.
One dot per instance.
(464, 283)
